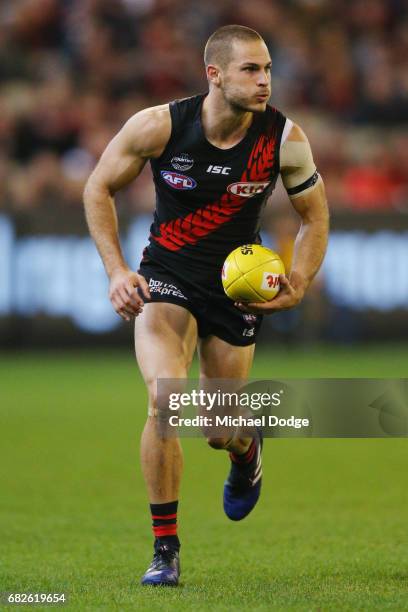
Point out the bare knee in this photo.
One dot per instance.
(160, 387)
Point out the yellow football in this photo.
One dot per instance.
(251, 273)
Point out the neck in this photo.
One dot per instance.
(223, 125)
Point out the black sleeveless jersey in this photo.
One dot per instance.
(209, 200)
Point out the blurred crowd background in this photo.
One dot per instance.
(73, 71)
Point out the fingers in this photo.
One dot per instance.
(131, 296)
(281, 302)
(288, 297)
(131, 287)
(125, 313)
(283, 280)
(144, 286)
(126, 302)
(129, 300)
(124, 295)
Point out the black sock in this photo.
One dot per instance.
(164, 517)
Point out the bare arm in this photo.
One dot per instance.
(311, 240)
(307, 194)
(144, 136)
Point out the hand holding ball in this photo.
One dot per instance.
(251, 274)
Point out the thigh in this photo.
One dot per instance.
(220, 318)
(165, 341)
(219, 359)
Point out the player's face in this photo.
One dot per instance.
(246, 81)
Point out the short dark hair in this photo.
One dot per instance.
(219, 46)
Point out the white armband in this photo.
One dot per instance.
(297, 159)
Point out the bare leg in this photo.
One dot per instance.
(165, 341)
(218, 359)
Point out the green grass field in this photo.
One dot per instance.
(329, 533)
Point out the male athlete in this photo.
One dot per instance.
(215, 160)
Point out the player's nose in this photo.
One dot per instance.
(263, 80)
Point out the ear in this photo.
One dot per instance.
(213, 74)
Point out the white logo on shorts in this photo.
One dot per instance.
(163, 288)
(249, 331)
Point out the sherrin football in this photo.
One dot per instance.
(251, 273)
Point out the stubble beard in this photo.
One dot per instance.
(239, 105)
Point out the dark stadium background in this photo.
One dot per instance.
(329, 531)
(72, 72)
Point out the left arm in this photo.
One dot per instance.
(307, 195)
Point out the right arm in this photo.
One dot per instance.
(144, 136)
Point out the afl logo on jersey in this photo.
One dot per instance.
(247, 190)
(182, 162)
(178, 181)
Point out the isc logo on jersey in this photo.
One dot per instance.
(247, 190)
(178, 181)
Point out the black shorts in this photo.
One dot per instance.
(214, 312)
